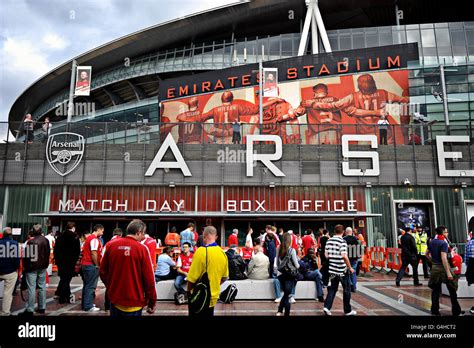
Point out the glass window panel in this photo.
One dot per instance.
(358, 40)
(385, 37)
(428, 38)
(372, 39)
(442, 38)
(457, 106)
(454, 79)
(413, 36)
(345, 42)
(399, 37)
(470, 37)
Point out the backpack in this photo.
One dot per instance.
(287, 267)
(180, 298)
(229, 294)
(200, 299)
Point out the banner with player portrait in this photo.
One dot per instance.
(83, 81)
(311, 108)
(270, 82)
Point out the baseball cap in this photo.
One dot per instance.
(290, 231)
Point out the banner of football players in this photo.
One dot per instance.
(309, 111)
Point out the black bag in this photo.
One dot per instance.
(229, 294)
(180, 299)
(200, 299)
(287, 267)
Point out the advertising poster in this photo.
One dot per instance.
(310, 111)
(410, 215)
(306, 100)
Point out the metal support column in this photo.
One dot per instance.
(445, 94)
(70, 105)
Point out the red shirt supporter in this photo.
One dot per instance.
(457, 263)
(233, 239)
(92, 243)
(294, 240)
(184, 262)
(308, 242)
(247, 253)
(127, 273)
(150, 243)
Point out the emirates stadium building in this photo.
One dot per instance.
(363, 116)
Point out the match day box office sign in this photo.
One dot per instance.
(242, 199)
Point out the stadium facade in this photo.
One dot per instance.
(418, 53)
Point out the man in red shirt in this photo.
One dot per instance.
(182, 266)
(128, 275)
(308, 241)
(233, 238)
(294, 240)
(150, 243)
(91, 255)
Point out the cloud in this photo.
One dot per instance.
(23, 57)
(52, 32)
(55, 42)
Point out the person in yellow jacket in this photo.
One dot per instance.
(421, 239)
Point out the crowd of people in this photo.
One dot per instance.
(128, 261)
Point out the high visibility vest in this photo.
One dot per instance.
(421, 243)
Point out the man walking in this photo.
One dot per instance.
(91, 254)
(66, 254)
(441, 272)
(353, 251)
(211, 259)
(35, 263)
(9, 265)
(233, 238)
(127, 273)
(409, 257)
(339, 271)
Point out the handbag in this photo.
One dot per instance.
(287, 267)
(200, 299)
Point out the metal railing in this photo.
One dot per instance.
(213, 133)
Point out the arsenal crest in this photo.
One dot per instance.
(64, 152)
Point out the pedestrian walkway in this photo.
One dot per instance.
(376, 295)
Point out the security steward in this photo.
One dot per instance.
(421, 238)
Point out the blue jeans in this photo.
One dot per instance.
(346, 292)
(90, 277)
(115, 312)
(288, 286)
(276, 284)
(354, 275)
(179, 282)
(318, 280)
(33, 279)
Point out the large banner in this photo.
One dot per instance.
(314, 99)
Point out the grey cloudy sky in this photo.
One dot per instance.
(38, 35)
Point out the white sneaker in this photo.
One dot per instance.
(472, 310)
(327, 311)
(292, 300)
(94, 309)
(277, 300)
(279, 314)
(351, 313)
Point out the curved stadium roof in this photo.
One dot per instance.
(248, 18)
